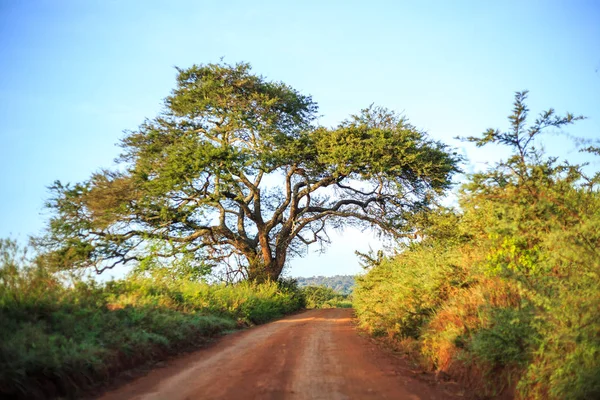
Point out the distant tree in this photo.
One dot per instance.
(234, 172)
(340, 283)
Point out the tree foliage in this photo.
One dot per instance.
(235, 172)
(506, 287)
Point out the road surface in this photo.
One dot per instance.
(317, 354)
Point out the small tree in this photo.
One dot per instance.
(235, 172)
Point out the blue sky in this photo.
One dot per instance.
(75, 74)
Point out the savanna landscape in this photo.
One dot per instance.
(176, 271)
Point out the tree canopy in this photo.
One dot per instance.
(234, 171)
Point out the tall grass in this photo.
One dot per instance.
(60, 340)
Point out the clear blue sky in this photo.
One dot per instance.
(75, 74)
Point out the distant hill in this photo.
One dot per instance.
(340, 283)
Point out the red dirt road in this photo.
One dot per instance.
(317, 354)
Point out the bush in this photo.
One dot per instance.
(398, 296)
(325, 297)
(59, 340)
(504, 293)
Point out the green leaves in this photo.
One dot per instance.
(381, 144)
(234, 170)
(506, 287)
(521, 136)
(59, 340)
(229, 97)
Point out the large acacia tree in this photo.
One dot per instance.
(235, 171)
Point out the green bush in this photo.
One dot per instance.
(504, 292)
(507, 339)
(398, 296)
(58, 340)
(325, 297)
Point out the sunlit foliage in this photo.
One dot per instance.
(507, 295)
(60, 339)
(235, 172)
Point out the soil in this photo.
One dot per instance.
(317, 354)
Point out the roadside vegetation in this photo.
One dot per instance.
(234, 178)
(502, 293)
(63, 335)
(325, 297)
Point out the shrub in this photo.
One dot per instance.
(524, 247)
(58, 340)
(401, 294)
(325, 297)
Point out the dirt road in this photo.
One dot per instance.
(317, 354)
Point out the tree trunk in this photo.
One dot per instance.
(261, 272)
(265, 266)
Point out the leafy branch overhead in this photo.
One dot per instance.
(521, 136)
(235, 172)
